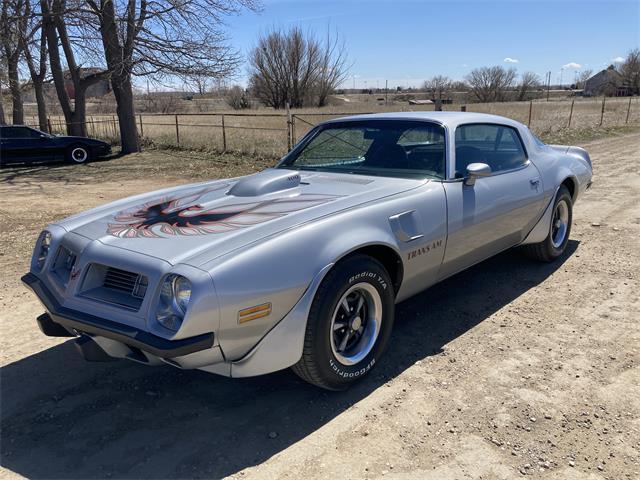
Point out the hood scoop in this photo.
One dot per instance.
(270, 181)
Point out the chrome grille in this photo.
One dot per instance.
(127, 282)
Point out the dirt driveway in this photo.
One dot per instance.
(512, 368)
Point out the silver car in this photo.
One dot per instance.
(301, 265)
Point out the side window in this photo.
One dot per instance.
(498, 146)
(19, 132)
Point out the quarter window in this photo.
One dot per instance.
(498, 146)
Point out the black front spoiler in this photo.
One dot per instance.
(80, 322)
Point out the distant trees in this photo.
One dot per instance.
(118, 39)
(236, 97)
(439, 86)
(630, 71)
(582, 77)
(490, 84)
(529, 82)
(296, 68)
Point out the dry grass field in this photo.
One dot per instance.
(264, 132)
(510, 369)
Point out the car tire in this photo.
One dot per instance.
(78, 154)
(340, 346)
(555, 244)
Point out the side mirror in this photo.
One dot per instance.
(474, 171)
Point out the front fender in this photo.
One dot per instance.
(281, 270)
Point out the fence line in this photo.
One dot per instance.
(275, 133)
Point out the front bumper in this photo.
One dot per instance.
(80, 322)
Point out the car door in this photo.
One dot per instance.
(499, 210)
(22, 144)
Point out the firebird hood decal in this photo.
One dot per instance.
(197, 223)
(169, 217)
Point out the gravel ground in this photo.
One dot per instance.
(509, 369)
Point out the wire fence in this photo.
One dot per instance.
(273, 134)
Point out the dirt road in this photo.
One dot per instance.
(512, 368)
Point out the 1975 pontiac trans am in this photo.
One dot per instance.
(300, 265)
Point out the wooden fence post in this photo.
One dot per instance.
(288, 128)
(293, 130)
(463, 108)
(50, 129)
(570, 114)
(628, 111)
(177, 131)
(224, 135)
(604, 98)
(141, 129)
(115, 131)
(530, 110)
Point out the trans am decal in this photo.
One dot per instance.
(190, 216)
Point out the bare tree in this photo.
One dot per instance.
(237, 98)
(33, 38)
(162, 37)
(3, 74)
(12, 22)
(56, 19)
(630, 71)
(294, 67)
(529, 82)
(490, 84)
(439, 85)
(333, 69)
(202, 83)
(582, 77)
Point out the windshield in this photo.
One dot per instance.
(391, 148)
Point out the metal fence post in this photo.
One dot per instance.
(530, 110)
(141, 129)
(604, 98)
(628, 111)
(224, 135)
(570, 114)
(288, 128)
(177, 131)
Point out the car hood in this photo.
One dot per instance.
(178, 224)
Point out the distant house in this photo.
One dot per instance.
(606, 82)
(98, 89)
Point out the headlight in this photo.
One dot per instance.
(44, 242)
(175, 294)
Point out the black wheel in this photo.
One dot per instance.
(349, 324)
(556, 242)
(77, 154)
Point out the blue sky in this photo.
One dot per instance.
(409, 41)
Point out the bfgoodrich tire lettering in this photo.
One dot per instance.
(556, 242)
(324, 363)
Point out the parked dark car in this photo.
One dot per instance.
(25, 144)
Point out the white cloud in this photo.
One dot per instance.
(617, 60)
(511, 60)
(572, 66)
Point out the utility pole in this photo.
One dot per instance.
(548, 84)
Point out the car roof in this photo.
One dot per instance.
(450, 119)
